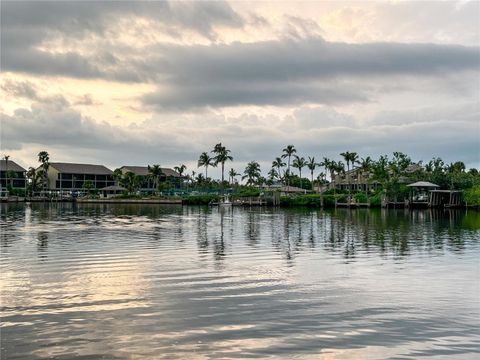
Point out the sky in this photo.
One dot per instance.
(137, 83)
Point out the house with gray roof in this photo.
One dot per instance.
(75, 177)
(12, 176)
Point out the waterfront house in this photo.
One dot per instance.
(12, 176)
(285, 190)
(78, 177)
(148, 184)
(356, 179)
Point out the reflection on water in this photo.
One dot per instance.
(149, 281)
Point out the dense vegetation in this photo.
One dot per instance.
(386, 177)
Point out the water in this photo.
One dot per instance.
(150, 282)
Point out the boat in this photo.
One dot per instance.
(225, 202)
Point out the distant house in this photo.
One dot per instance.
(356, 179)
(75, 177)
(148, 185)
(11, 174)
(286, 190)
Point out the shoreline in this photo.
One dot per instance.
(185, 202)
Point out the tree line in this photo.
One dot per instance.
(390, 172)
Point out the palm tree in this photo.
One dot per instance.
(44, 158)
(336, 167)
(272, 174)
(252, 173)
(299, 163)
(205, 160)
(33, 177)
(311, 165)
(232, 175)
(180, 169)
(279, 164)
(192, 177)
(366, 167)
(326, 165)
(350, 158)
(221, 156)
(131, 181)
(288, 152)
(155, 172)
(200, 178)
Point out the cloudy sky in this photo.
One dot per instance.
(136, 83)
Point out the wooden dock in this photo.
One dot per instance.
(352, 204)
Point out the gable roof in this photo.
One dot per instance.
(12, 166)
(81, 168)
(425, 184)
(143, 171)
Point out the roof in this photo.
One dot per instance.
(12, 166)
(143, 171)
(81, 168)
(113, 188)
(291, 189)
(424, 184)
(447, 191)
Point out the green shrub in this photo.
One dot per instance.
(200, 199)
(360, 198)
(376, 199)
(311, 200)
(247, 192)
(472, 196)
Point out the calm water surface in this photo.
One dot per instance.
(149, 282)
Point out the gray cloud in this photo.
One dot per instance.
(293, 72)
(28, 90)
(26, 24)
(22, 89)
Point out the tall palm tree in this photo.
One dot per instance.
(335, 167)
(221, 156)
(299, 163)
(252, 173)
(327, 165)
(155, 172)
(232, 174)
(44, 158)
(311, 165)
(365, 167)
(288, 152)
(350, 158)
(205, 160)
(278, 164)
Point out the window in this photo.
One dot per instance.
(66, 184)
